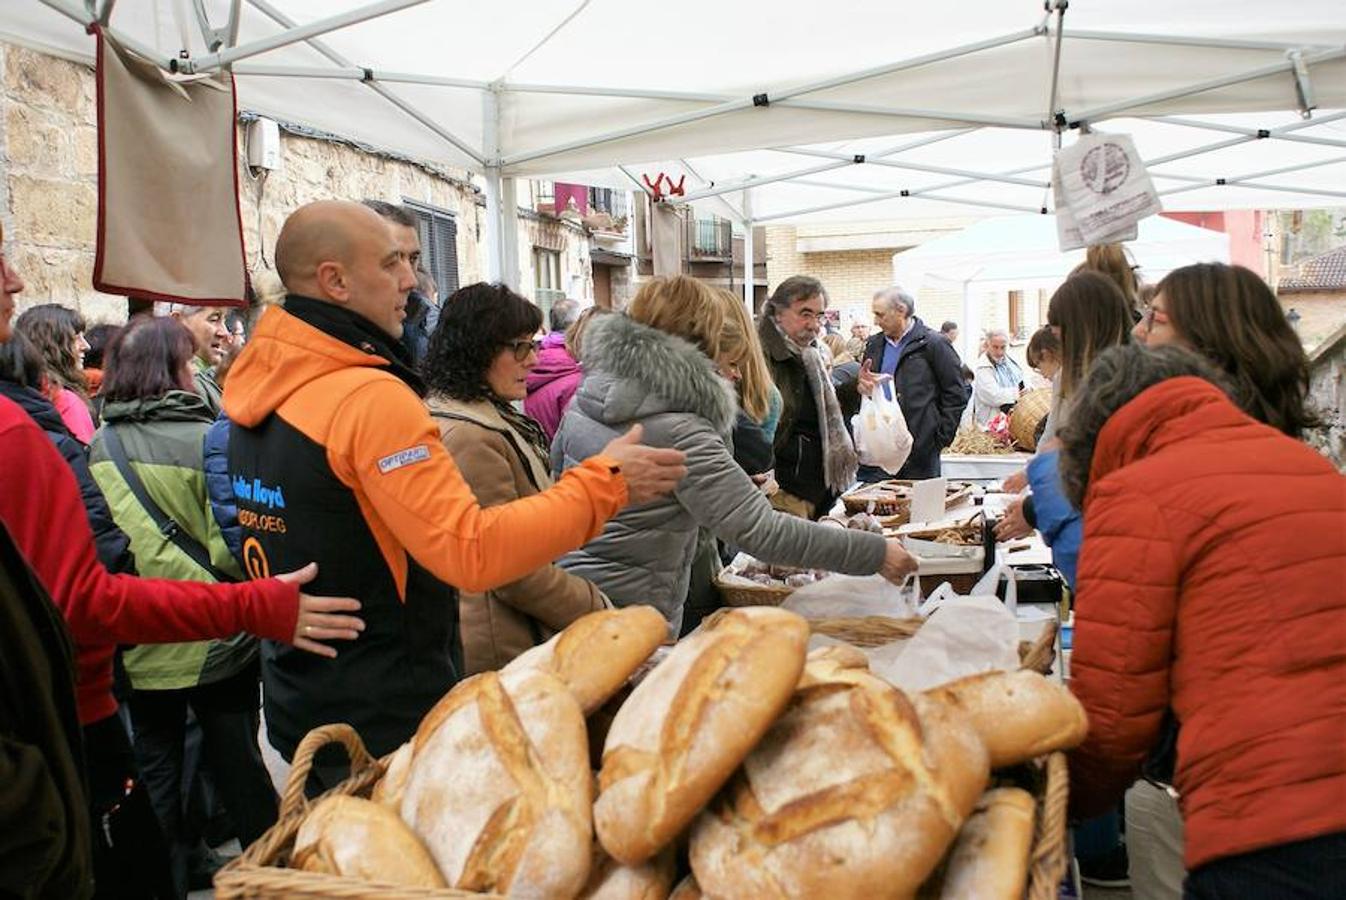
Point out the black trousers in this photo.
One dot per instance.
(130, 855)
(228, 713)
(1314, 869)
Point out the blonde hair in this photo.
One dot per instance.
(739, 343)
(1112, 261)
(837, 344)
(683, 307)
(575, 333)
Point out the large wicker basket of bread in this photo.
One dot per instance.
(739, 766)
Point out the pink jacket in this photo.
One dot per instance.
(551, 384)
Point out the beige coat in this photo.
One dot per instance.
(500, 466)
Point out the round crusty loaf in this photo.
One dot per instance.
(500, 787)
(688, 725)
(388, 789)
(350, 836)
(989, 861)
(1019, 715)
(855, 792)
(610, 880)
(595, 654)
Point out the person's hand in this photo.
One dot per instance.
(897, 562)
(321, 618)
(1016, 482)
(650, 472)
(867, 380)
(1012, 524)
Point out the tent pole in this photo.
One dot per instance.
(74, 11)
(1111, 109)
(971, 325)
(502, 205)
(924, 193)
(1217, 43)
(919, 167)
(904, 113)
(749, 264)
(1280, 134)
(754, 181)
(284, 21)
(297, 34)
(765, 98)
(355, 73)
(734, 214)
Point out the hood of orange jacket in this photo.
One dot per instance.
(300, 343)
(1158, 416)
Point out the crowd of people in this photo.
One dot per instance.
(442, 489)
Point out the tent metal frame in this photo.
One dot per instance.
(500, 168)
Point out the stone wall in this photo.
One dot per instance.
(1327, 394)
(49, 191)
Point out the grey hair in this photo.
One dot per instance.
(166, 308)
(791, 291)
(997, 332)
(1118, 375)
(895, 295)
(399, 215)
(563, 314)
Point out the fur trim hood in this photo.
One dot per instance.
(633, 371)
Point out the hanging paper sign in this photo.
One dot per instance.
(1105, 188)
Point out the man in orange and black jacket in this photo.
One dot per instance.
(333, 457)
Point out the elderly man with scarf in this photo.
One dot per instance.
(999, 380)
(815, 459)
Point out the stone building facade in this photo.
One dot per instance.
(49, 192)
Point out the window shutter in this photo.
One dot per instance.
(439, 246)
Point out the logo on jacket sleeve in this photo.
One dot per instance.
(394, 461)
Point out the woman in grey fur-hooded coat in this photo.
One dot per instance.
(634, 374)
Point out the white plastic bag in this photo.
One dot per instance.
(880, 429)
(845, 596)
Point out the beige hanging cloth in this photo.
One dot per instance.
(169, 226)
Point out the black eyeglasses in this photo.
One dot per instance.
(521, 349)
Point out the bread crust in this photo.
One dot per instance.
(1019, 715)
(357, 838)
(500, 788)
(598, 652)
(388, 789)
(610, 880)
(688, 725)
(856, 791)
(989, 861)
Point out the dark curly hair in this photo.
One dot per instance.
(51, 328)
(475, 324)
(1118, 376)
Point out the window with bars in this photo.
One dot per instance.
(547, 288)
(614, 203)
(439, 245)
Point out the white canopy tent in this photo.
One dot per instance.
(1022, 252)
(781, 111)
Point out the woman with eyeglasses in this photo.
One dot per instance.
(1229, 315)
(477, 367)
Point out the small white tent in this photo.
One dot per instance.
(1022, 252)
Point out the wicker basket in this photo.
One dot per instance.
(261, 873)
(1048, 859)
(869, 632)
(1028, 416)
(752, 595)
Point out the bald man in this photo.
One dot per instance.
(334, 458)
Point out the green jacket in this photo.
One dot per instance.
(163, 438)
(203, 378)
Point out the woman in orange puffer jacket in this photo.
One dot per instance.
(1211, 582)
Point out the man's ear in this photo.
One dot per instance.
(332, 281)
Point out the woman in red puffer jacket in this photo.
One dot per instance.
(1211, 582)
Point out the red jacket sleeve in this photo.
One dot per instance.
(40, 505)
(1124, 617)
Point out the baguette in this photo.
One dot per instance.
(1019, 715)
(355, 838)
(857, 791)
(687, 889)
(500, 788)
(610, 880)
(688, 725)
(989, 861)
(595, 654)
